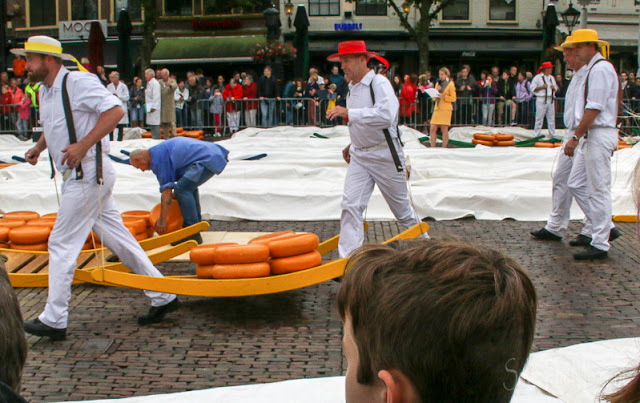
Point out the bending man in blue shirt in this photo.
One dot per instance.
(181, 164)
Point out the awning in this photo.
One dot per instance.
(615, 34)
(212, 49)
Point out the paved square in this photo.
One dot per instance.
(214, 342)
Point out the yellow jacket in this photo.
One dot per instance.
(445, 102)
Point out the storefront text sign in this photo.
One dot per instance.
(78, 29)
(348, 26)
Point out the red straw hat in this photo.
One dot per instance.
(351, 48)
(544, 66)
(383, 61)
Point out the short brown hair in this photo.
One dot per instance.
(13, 344)
(457, 319)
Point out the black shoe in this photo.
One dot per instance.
(157, 313)
(545, 235)
(581, 240)
(37, 328)
(196, 237)
(591, 253)
(614, 234)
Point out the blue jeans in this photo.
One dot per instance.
(268, 112)
(187, 195)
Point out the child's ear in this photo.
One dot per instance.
(397, 387)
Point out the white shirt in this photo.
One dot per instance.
(152, 100)
(184, 94)
(540, 80)
(122, 92)
(574, 100)
(367, 120)
(88, 99)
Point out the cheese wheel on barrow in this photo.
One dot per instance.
(484, 137)
(21, 215)
(203, 254)
(4, 234)
(11, 224)
(505, 143)
(29, 235)
(138, 214)
(263, 239)
(37, 247)
(503, 137)
(42, 222)
(295, 245)
(483, 142)
(138, 224)
(236, 254)
(291, 264)
(247, 270)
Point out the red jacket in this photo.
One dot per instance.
(232, 92)
(250, 92)
(407, 99)
(6, 99)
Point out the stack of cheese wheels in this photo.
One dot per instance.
(623, 144)
(194, 134)
(141, 214)
(490, 140)
(230, 261)
(291, 252)
(137, 226)
(15, 234)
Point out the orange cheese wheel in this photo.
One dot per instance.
(4, 245)
(247, 270)
(263, 239)
(11, 224)
(203, 254)
(204, 271)
(621, 146)
(235, 254)
(505, 143)
(138, 224)
(146, 135)
(485, 137)
(503, 137)
(556, 145)
(42, 222)
(131, 229)
(150, 232)
(4, 234)
(291, 264)
(200, 138)
(483, 142)
(29, 235)
(138, 214)
(174, 219)
(295, 245)
(90, 245)
(5, 165)
(50, 215)
(37, 247)
(141, 236)
(21, 215)
(179, 129)
(543, 145)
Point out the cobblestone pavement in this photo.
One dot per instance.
(214, 342)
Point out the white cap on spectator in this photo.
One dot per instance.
(320, 80)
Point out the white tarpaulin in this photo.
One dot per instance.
(302, 176)
(569, 374)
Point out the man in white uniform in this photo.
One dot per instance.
(595, 140)
(121, 91)
(544, 88)
(373, 160)
(152, 101)
(85, 203)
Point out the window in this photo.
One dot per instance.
(40, 13)
(502, 10)
(134, 8)
(84, 10)
(178, 7)
(213, 7)
(457, 10)
(324, 7)
(371, 7)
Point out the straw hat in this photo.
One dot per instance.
(351, 48)
(588, 36)
(565, 44)
(45, 45)
(545, 65)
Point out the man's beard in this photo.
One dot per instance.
(39, 74)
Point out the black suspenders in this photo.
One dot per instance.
(387, 136)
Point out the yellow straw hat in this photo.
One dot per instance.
(588, 36)
(565, 44)
(45, 45)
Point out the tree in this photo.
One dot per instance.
(428, 11)
(148, 31)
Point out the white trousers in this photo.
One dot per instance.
(561, 197)
(545, 109)
(366, 170)
(78, 214)
(250, 117)
(591, 175)
(234, 121)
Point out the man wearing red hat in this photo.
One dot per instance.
(544, 88)
(375, 154)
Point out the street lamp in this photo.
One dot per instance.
(406, 7)
(570, 17)
(288, 9)
(272, 21)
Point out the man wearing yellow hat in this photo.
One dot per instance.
(593, 115)
(77, 112)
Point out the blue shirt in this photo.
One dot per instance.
(171, 159)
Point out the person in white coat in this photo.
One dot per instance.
(372, 160)
(152, 102)
(121, 91)
(544, 89)
(88, 179)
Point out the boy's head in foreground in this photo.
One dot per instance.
(434, 321)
